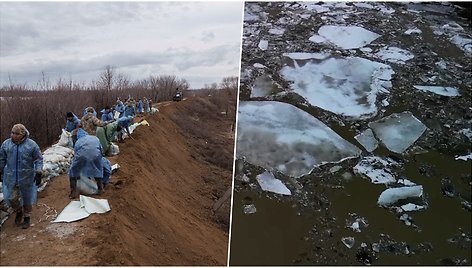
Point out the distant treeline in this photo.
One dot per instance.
(42, 108)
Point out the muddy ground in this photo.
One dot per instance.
(161, 201)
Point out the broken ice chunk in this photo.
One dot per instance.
(377, 169)
(444, 91)
(306, 56)
(348, 241)
(263, 44)
(269, 183)
(358, 224)
(367, 139)
(406, 219)
(258, 65)
(413, 31)
(277, 31)
(405, 182)
(398, 131)
(346, 37)
(465, 157)
(394, 54)
(280, 136)
(346, 86)
(249, 209)
(462, 42)
(412, 207)
(467, 132)
(392, 195)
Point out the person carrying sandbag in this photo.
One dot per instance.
(87, 162)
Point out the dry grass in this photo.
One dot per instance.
(42, 108)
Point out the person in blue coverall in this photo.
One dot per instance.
(21, 164)
(146, 105)
(107, 114)
(124, 123)
(129, 110)
(120, 107)
(87, 162)
(72, 124)
(140, 106)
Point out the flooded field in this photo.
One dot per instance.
(393, 82)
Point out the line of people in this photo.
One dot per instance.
(21, 160)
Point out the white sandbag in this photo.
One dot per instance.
(66, 139)
(154, 110)
(93, 205)
(61, 150)
(72, 212)
(115, 167)
(114, 149)
(116, 115)
(77, 210)
(53, 158)
(87, 185)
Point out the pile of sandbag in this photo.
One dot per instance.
(57, 158)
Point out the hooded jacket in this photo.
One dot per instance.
(19, 163)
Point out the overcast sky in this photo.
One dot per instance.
(198, 41)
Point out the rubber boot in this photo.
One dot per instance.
(73, 188)
(100, 186)
(18, 217)
(26, 223)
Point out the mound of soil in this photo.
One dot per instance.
(161, 200)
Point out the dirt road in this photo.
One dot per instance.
(161, 200)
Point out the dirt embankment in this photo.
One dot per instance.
(161, 200)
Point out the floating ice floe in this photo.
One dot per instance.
(258, 65)
(378, 170)
(465, 157)
(277, 31)
(413, 31)
(269, 183)
(263, 44)
(346, 37)
(249, 209)
(467, 132)
(346, 86)
(444, 91)
(411, 207)
(315, 7)
(363, 5)
(406, 219)
(306, 56)
(405, 182)
(367, 139)
(253, 12)
(398, 131)
(280, 136)
(392, 195)
(348, 241)
(464, 43)
(358, 224)
(394, 54)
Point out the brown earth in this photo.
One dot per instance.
(161, 200)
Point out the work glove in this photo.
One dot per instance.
(37, 177)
